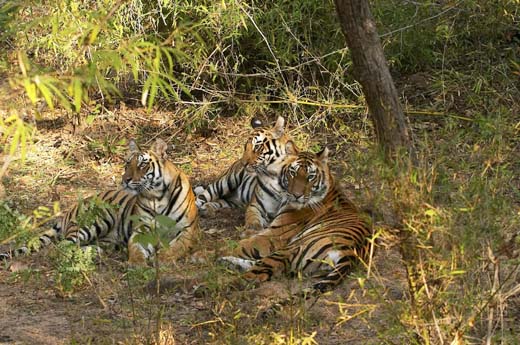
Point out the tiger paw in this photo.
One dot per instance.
(202, 256)
(200, 201)
(200, 198)
(4, 256)
(136, 257)
(207, 210)
(234, 263)
(269, 312)
(248, 233)
(199, 190)
(256, 277)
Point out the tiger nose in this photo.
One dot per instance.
(298, 194)
(127, 179)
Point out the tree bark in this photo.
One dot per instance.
(371, 71)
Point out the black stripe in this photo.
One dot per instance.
(173, 198)
(265, 188)
(145, 208)
(182, 215)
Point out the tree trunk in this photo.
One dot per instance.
(371, 71)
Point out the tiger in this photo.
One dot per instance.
(239, 186)
(318, 231)
(151, 186)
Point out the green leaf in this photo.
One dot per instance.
(78, 94)
(430, 213)
(57, 92)
(23, 62)
(30, 89)
(170, 60)
(145, 239)
(165, 221)
(23, 141)
(93, 34)
(146, 89)
(14, 143)
(46, 93)
(150, 89)
(165, 88)
(90, 119)
(457, 272)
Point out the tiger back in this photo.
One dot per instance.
(236, 187)
(152, 186)
(318, 232)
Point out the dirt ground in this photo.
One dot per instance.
(115, 307)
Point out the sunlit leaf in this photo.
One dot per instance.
(93, 34)
(153, 91)
(30, 89)
(44, 90)
(23, 62)
(64, 101)
(146, 89)
(78, 94)
(430, 213)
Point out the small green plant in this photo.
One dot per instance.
(25, 275)
(140, 275)
(92, 209)
(22, 229)
(108, 147)
(72, 267)
(14, 134)
(74, 264)
(156, 232)
(10, 221)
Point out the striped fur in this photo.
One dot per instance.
(152, 186)
(318, 232)
(268, 196)
(237, 186)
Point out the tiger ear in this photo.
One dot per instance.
(255, 122)
(278, 128)
(290, 148)
(323, 155)
(133, 147)
(247, 156)
(159, 148)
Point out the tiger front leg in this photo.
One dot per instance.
(267, 267)
(244, 256)
(222, 188)
(202, 196)
(138, 252)
(265, 242)
(255, 220)
(255, 247)
(210, 208)
(181, 245)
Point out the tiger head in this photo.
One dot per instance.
(143, 170)
(267, 147)
(306, 178)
